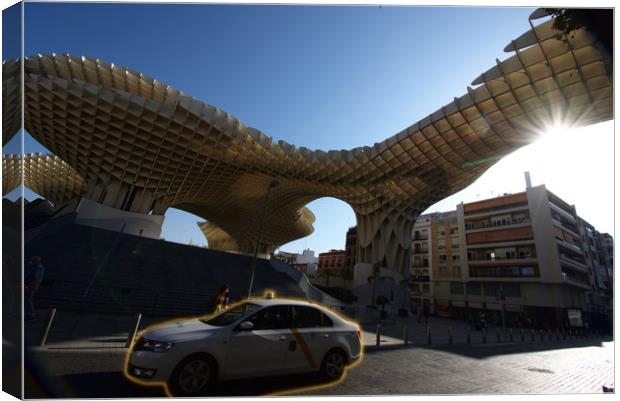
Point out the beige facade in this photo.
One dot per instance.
(142, 146)
(523, 255)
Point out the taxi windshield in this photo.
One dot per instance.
(231, 315)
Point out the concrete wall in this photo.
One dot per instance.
(94, 214)
(544, 237)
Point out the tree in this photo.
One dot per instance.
(347, 275)
(598, 21)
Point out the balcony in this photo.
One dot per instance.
(563, 212)
(493, 210)
(564, 226)
(498, 261)
(580, 264)
(487, 226)
(570, 246)
(507, 272)
(420, 249)
(575, 280)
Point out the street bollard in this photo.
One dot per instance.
(450, 334)
(484, 336)
(468, 334)
(499, 339)
(428, 336)
(378, 335)
(540, 332)
(549, 334)
(47, 326)
(406, 335)
(532, 335)
(557, 334)
(511, 338)
(522, 335)
(134, 330)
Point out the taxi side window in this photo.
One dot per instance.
(272, 318)
(305, 317)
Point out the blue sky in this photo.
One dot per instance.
(321, 77)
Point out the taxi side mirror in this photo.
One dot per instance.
(246, 326)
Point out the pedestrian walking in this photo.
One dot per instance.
(32, 281)
(426, 311)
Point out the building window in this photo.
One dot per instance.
(528, 271)
(456, 288)
(491, 289)
(474, 288)
(512, 290)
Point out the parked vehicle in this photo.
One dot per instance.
(257, 337)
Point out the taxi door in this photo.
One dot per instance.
(259, 351)
(311, 331)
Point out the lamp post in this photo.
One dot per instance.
(272, 184)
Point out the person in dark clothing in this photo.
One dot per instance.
(426, 311)
(32, 281)
(220, 301)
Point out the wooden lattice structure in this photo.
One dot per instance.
(143, 146)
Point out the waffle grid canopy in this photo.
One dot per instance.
(143, 146)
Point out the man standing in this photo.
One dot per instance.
(32, 280)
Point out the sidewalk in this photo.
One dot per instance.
(445, 331)
(72, 330)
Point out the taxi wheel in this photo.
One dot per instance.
(193, 376)
(333, 364)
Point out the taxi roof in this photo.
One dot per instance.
(262, 301)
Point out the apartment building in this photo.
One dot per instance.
(436, 258)
(305, 262)
(350, 248)
(333, 260)
(605, 250)
(599, 301)
(420, 271)
(522, 258)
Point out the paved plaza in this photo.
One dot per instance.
(84, 357)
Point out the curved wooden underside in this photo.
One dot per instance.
(47, 175)
(144, 146)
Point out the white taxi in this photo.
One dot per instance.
(257, 337)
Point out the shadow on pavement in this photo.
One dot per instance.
(491, 349)
(92, 385)
(115, 385)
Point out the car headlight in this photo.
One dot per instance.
(144, 344)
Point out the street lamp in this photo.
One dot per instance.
(272, 184)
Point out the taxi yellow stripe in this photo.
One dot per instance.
(304, 348)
